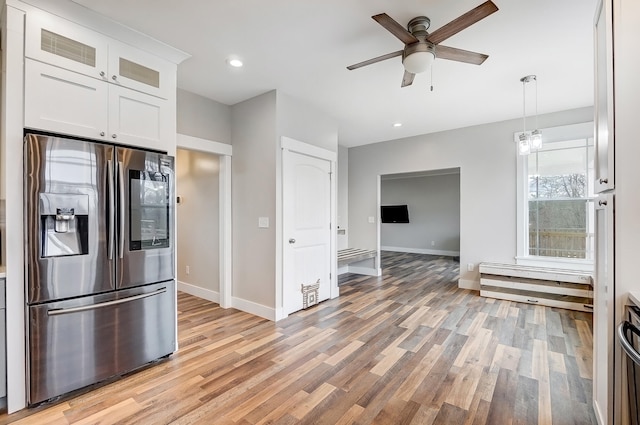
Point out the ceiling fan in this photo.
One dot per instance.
(421, 47)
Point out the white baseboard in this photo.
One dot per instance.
(468, 284)
(256, 309)
(421, 251)
(196, 291)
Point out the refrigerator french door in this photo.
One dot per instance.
(100, 283)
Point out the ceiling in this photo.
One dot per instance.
(302, 48)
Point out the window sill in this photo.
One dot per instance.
(556, 263)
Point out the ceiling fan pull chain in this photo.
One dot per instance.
(432, 66)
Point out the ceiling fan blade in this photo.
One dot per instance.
(395, 28)
(462, 22)
(407, 79)
(453, 54)
(374, 60)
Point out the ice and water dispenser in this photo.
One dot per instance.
(64, 222)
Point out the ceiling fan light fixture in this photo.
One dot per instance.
(418, 62)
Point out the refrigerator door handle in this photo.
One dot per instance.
(59, 311)
(112, 208)
(121, 202)
(624, 342)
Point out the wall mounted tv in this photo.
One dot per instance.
(394, 213)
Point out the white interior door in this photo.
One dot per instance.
(307, 227)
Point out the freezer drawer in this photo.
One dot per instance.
(83, 341)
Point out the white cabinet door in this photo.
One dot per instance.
(138, 119)
(603, 311)
(142, 71)
(604, 137)
(62, 43)
(64, 102)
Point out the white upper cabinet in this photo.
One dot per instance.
(137, 119)
(62, 43)
(82, 111)
(142, 71)
(70, 46)
(603, 111)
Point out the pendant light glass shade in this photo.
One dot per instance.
(418, 62)
(536, 140)
(529, 142)
(524, 146)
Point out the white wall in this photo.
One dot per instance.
(198, 116)
(197, 176)
(434, 214)
(486, 156)
(343, 197)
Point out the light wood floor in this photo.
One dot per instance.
(406, 348)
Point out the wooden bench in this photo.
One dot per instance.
(353, 255)
(535, 285)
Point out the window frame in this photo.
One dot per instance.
(550, 135)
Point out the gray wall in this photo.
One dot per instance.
(486, 156)
(197, 215)
(256, 127)
(253, 189)
(343, 197)
(306, 123)
(434, 214)
(198, 116)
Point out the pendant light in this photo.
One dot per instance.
(528, 142)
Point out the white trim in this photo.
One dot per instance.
(469, 284)
(421, 251)
(197, 291)
(556, 263)
(307, 149)
(254, 308)
(288, 144)
(224, 232)
(224, 201)
(11, 166)
(202, 145)
(550, 135)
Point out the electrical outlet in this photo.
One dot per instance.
(470, 267)
(187, 270)
(372, 220)
(433, 243)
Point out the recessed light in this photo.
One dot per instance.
(397, 124)
(235, 62)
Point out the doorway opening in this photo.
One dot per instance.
(420, 213)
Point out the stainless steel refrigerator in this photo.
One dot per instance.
(100, 262)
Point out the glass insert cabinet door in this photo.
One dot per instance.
(149, 210)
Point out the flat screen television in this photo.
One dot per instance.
(394, 213)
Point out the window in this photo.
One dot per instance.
(556, 211)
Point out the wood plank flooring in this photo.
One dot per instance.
(405, 348)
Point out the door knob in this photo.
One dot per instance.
(292, 240)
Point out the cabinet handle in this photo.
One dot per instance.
(102, 74)
(602, 203)
(115, 136)
(532, 301)
(114, 77)
(603, 181)
(102, 133)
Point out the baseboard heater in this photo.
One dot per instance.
(560, 288)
